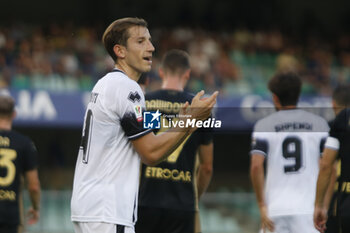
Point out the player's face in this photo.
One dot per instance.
(139, 49)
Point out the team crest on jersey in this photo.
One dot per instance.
(134, 97)
(138, 113)
(151, 120)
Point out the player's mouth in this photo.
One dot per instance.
(148, 59)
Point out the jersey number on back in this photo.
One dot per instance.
(6, 160)
(291, 149)
(86, 138)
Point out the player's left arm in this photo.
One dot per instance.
(205, 170)
(330, 152)
(330, 190)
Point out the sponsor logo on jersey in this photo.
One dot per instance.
(345, 188)
(4, 141)
(134, 97)
(168, 174)
(7, 195)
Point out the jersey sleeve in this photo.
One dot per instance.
(259, 143)
(337, 128)
(132, 106)
(30, 156)
(322, 144)
(324, 133)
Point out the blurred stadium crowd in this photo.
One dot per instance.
(67, 57)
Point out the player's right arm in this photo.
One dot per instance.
(31, 176)
(260, 148)
(154, 148)
(33, 185)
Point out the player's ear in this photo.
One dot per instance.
(187, 74)
(276, 101)
(161, 73)
(119, 50)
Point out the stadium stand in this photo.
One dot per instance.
(68, 58)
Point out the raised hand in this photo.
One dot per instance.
(200, 109)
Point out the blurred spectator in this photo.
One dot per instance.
(69, 58)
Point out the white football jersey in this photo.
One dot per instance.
(106, 176)
(292, 142)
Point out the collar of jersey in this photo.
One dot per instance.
(117, 70)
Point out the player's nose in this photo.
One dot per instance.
(150, 47)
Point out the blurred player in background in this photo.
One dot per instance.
(340, 100)
(18, 159)
(290, 142)
(106, 180)
(169, 191)
(337, 147)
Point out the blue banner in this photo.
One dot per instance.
(48, 109)
(44, 109)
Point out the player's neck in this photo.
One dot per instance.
(130, 72)
(172, 84)
(287, 107)
(5, 124)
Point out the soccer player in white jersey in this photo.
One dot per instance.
(289, 143)
(106, 177)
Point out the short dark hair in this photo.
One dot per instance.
(7, 105)
(287, 87)
(117, 33)
(341, 95)
(176, 61)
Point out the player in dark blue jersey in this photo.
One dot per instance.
(18, 158)
(169, 191)
(337, 146)
(340, 99)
